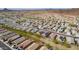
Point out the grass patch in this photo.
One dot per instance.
(49, 47)
(62, 43)
(66, 44)
(56, 41)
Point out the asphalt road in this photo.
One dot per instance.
(62, 34)
(3, 46)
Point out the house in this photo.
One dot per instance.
(33, 46)
(5, 33)
(5, 38)
(34, 30)
(25, 44)
(18, 41)
(29, 29)
(77, 38)
(46, 34)
(70, 40)
(43, 48)
(1, 29)
(52, 35)
(12, 38)
(60, 38)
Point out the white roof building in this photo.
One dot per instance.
(70, 40)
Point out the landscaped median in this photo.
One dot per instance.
(34, 36)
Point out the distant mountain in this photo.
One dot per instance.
(5, 9)
(28, 9)
(72, 11)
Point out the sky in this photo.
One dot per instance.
(39, 3)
